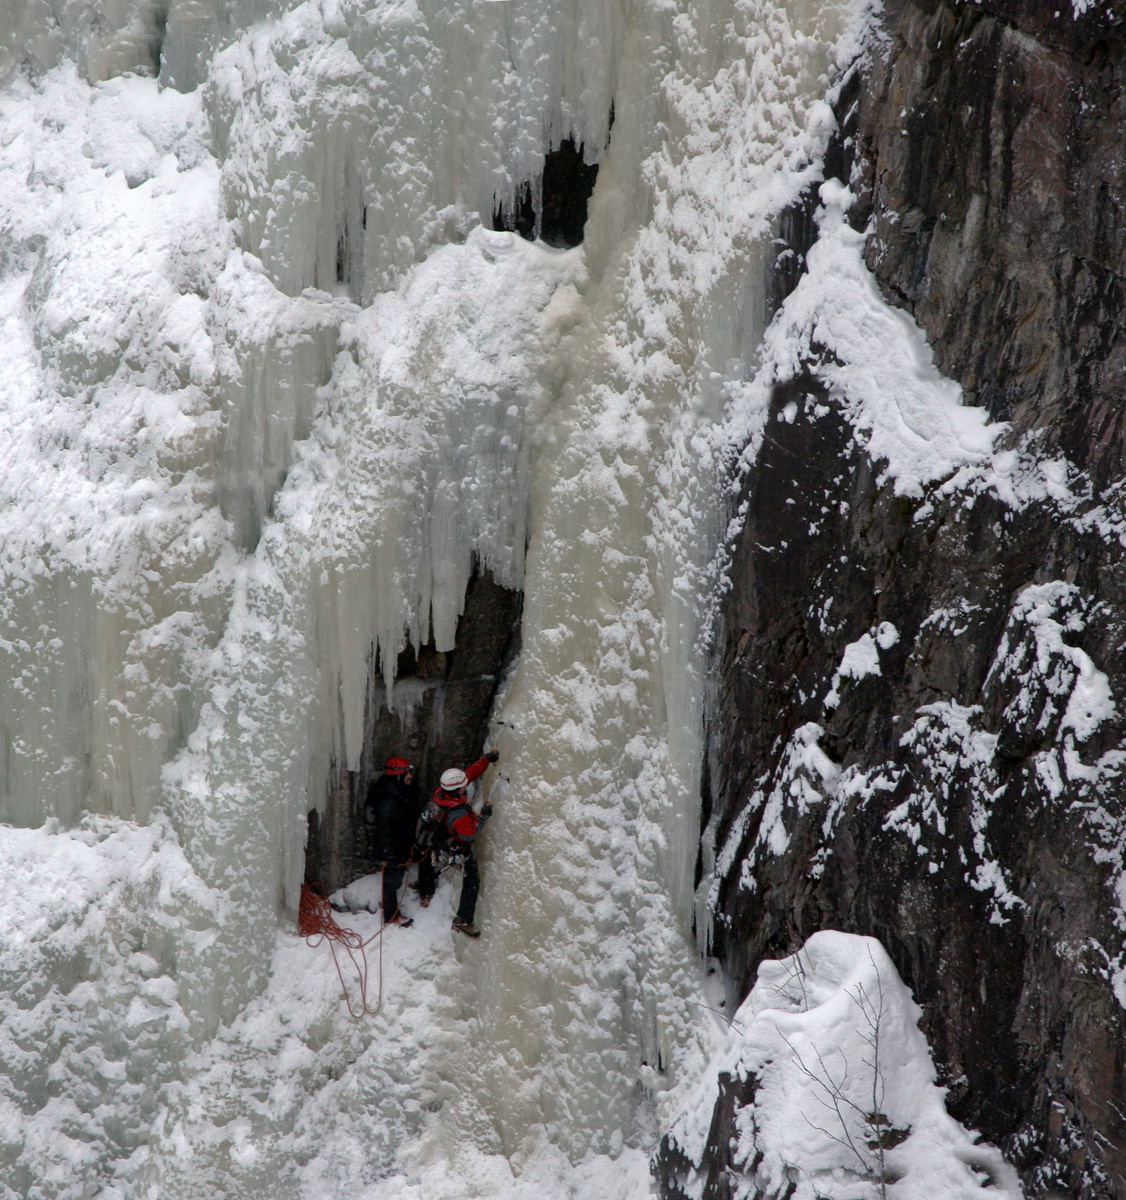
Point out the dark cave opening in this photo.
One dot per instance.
(565, 190)
(441, 720)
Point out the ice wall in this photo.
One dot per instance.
(356, 140)
(159, 252)
(592, 1007)
(173, 40)
(149, 368)
(270, 387)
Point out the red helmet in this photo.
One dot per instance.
(397, 766)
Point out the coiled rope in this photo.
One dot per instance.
(316, 924)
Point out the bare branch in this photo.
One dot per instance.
(831, 1088)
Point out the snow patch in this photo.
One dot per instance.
(101, 928)
(836, 1092)
(1052, 674)
(861, 658)
(875, 360)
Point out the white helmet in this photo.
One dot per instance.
(453, 780)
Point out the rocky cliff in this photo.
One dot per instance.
(920, 731)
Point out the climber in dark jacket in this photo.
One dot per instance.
(450, 824)
(391, 813)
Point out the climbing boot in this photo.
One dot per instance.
(401, 921)
(466, 927)
(424, 901)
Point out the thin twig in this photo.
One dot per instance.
(832, 1092)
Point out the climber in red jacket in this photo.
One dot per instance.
(451, 825)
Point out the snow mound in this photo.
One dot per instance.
(343, 1104)
(361, 895)
(831, 1090)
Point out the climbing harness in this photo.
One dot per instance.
(451, 860)
(316, 924)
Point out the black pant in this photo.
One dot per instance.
(427, 876)
(393, 876)
(470, 885)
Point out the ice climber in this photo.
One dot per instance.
(450, 825)
(391, 813)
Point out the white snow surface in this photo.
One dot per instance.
(1050, 610)
(830, 1037)
(103, 1092)
(861, 659)
(102, 926)
(296, 1097)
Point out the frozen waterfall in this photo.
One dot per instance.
(270, 390)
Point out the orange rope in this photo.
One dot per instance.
(316, 923)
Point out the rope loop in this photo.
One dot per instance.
(316, 923)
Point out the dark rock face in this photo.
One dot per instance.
(957, 832)
(992, 147)
(975, 819)
(441, 711)
(712, 1179)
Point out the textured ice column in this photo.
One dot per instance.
(105, 39)
(112, 229)
(149, 368)
(588, 971)
(276, 354)
(355, 139)
(194, 29)
(92, 1032)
